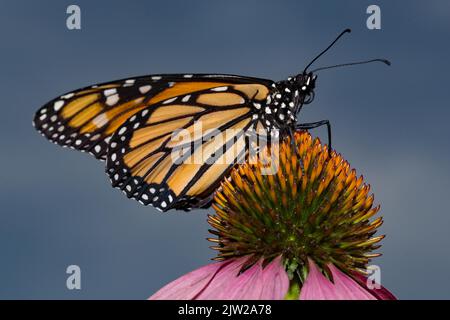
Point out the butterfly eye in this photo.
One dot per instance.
(300, 78)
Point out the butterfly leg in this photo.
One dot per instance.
(292, 138)
(312, 125)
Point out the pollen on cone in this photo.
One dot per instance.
(313, 206)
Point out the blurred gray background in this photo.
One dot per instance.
(57, 207)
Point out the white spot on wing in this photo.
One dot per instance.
(100, 120)
(112, 100)
(58, 105)
(145, 89)
(109, 92)
(122, 130)
(218, 89)
(170, 100)
(68, 96)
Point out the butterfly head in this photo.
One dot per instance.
(287, 98)
(305, 84)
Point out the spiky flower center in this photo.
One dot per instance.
(313, 206)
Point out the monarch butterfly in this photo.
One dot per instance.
(130, 124)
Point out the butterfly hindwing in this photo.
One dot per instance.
(173, 154)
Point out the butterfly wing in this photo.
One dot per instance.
(174, 153)
(85, 119)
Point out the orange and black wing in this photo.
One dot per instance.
(174, 153)
(86, 119)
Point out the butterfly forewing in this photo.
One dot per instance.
(85, 119)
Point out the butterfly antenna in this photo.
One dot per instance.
(387, 62)
(327, 48)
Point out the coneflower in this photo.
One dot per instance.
(304, 232)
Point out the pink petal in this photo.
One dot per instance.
(223, 281)
(381, 294)
(254, 283)
(276, 281)
(347, 288)
(224, 278)
(246, 286)
(187, 287)
(318, 287)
